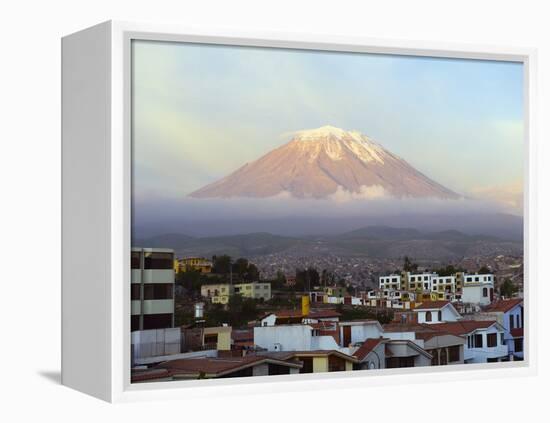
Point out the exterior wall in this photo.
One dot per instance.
(288, 337)
(360, 332)
(269, 320)
(444, 283)
(389, 282)
(155, 342)
(158, 275)
(139, 276)
(480, 355)
(376, 359)
(261, 370)
(224, 337)
(420, 361)
(325, 342)
(473, 294)
(517, 317)
(320, 364)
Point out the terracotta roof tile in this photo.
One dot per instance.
(505, 305)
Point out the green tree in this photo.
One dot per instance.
(484, 270)
(507, 289)
(221, 264)
(252, 273)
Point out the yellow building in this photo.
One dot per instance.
(219, 293)
(201, 264)
(256, 290)
(219, 335)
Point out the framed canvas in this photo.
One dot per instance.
(264, 212)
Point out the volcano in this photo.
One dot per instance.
(323, 162)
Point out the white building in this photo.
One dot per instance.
(296, 337)
(389, 282)
(485, 342)
(444, 283)
(152, 288)
(478, 289)
(432, 312)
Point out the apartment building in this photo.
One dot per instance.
(152, 288)
(392, 281)
(220, 293)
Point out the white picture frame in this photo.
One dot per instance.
(96, 186)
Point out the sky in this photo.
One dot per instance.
(202, 111)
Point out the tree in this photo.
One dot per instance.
(252, 273)
(449, 270)
(190, 280)
(240, 267)
(507, 289)
(409, 266)
(484, 270)
(221, 264)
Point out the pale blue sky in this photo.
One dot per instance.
(201, 112)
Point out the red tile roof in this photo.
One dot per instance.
(369, 345)
(505, 305)
(462, 327)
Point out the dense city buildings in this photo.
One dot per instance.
(419, 318)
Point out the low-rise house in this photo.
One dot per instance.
(509, 313)
(370, 354)
(358, 331)
(294, 337)
(484, 339)
(208, 368)
(335, 291)
(280, 317)
(219, 293)
(432, 312)
(405, 353)
(317, 361)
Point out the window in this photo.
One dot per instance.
(136, 291)
(425, 278)
(511, 318)
(428, 316)
(454, 353)
(413, 279)
(159, 261)
(476, 279)
(158, 291)
(518, 345)
(469, 279)
(394, 280)
(478, 341)
(491, 340)
(502, 338)
(485, 293)
(135, 260)
(518, 325)
(439, 316)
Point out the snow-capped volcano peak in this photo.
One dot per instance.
(321, 162)
(322, 132)
(334, 142)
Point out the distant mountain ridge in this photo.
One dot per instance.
(374, 241)
(318, 163)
